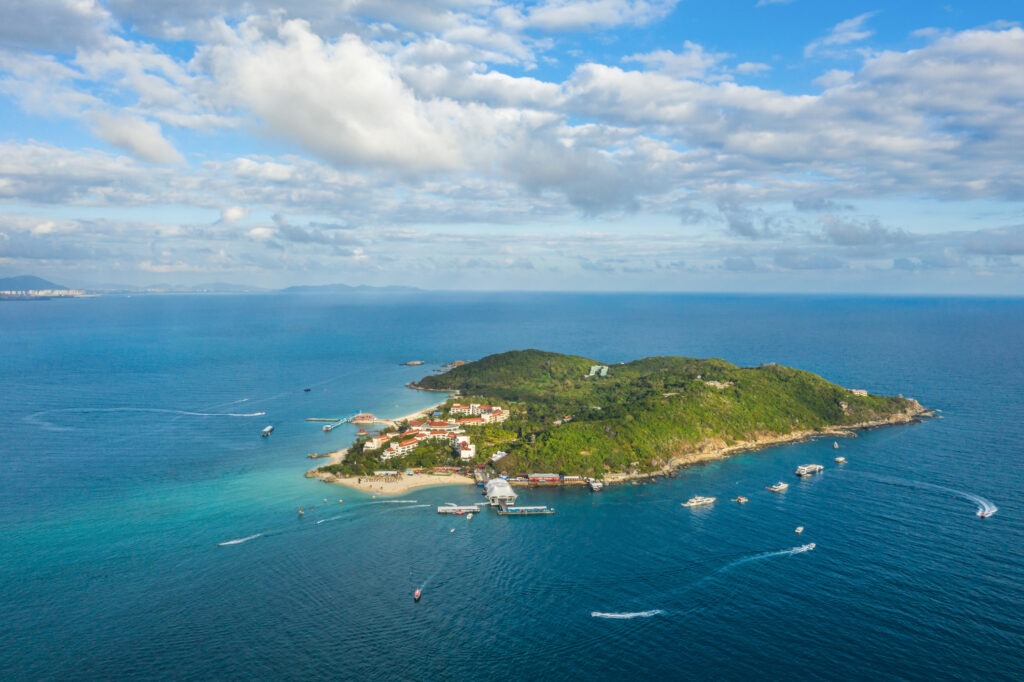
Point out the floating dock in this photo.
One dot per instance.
(459, 509)
(524, 511)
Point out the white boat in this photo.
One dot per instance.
(799, 529)
(835, 445)
(469, 516)
(778, 487)
(595, 485)
(740, 499)
(267, 430)
(840, 460)
(809, 469)
(698, 501)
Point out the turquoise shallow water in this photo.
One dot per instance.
(131, 457)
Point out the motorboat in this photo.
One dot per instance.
(698, 501)
(417, 594)
(840, 460)
(809, 469)
(799, 529)
(740, 499)
(778, 487)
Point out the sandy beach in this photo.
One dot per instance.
(396, 485)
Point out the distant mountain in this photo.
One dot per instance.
(27, 283)
(345, 288)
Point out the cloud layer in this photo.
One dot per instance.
(313, 137)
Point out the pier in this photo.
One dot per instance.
(523, 511)
(459, 509)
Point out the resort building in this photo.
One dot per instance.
(499, 492)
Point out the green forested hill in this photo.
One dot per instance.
(645, 413)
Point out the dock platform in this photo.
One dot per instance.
(524, 511)
(459, 509)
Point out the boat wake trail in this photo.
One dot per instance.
(985, 507)
(38, 418)
(332, 518)
(239, 540)
(627, 616)
(767, 555)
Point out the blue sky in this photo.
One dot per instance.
(692, 145)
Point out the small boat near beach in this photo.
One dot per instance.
(698, 501)
(779, 487)
(595, 485)
(835, 445)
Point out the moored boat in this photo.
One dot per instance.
(840, 460)
(778, 487)
(740, 499)
(267, 430)
(698, 501)
(799, 529)
(809, 469)
(595, 485)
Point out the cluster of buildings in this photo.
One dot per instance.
(25, 294)
(450, 430)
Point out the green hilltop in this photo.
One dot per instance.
(569, 415)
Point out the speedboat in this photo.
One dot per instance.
(799, 529)
(778, 487)
(698, 501)
(417, 594)
(984, 513)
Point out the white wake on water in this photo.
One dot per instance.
(239, 540)
(332, 518)
(985, 506)
(800, 549)
(626, 615)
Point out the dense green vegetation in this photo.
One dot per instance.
(645, 412)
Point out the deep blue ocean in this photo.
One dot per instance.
(147, 532)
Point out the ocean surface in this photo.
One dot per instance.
(148, 532)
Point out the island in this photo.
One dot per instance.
(577, 419)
